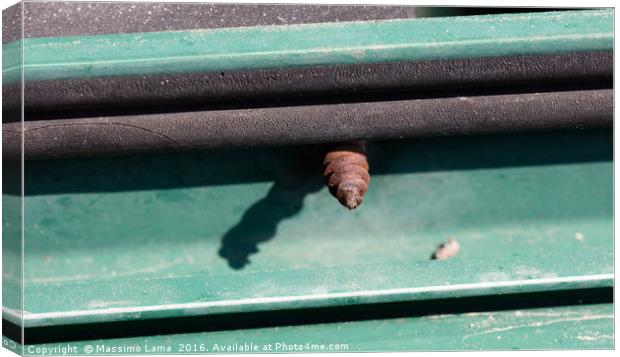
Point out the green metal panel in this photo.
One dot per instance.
(141, 237)
(11, 256)
(310, 44)
(206, 294)
(582, 327)
(233, 231)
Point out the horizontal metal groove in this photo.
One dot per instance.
(323, 44)
(306, 316)
(311, 124)
(316, 287)
(256, 304)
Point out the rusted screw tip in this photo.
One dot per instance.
(350, 197)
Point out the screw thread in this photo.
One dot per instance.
(346, 173)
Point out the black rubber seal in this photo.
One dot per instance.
(172, 92)
(310, 124)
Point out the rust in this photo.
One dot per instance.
(346, 173)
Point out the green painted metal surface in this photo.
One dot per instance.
(11, 256)
(574, 327)
(310, 44)
(144, 236)
(206, 294)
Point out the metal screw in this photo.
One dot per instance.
(346, 172)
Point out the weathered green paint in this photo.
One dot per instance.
(310, 44)
(206, 294)
(12, 254)
(574, 327)
(146, 230)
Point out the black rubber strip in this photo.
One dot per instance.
(322, 81)
(311, 124)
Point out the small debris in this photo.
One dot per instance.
(579, 236)
(447, 250)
